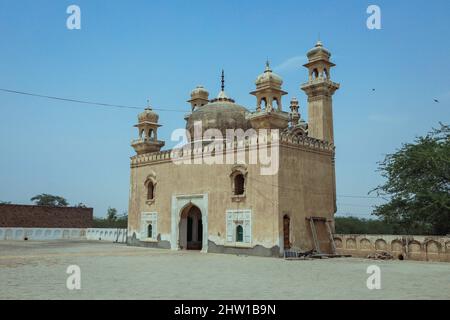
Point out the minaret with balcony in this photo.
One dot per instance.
(148, 133)
(320, 90)
(269, 112)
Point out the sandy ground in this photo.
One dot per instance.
(37, 270)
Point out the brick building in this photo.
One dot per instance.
(31, 216)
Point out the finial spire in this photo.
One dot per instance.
(223, 81)
(319, 43)
(268, 66)
(149, 107)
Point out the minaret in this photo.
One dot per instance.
(148, 133)
(269, 112)
(295, 116)
(298, 125)
(268, 90)
(320, 90)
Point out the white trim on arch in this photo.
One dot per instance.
(179, 203)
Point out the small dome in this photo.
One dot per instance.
(148, 116)
(268, 76)
(318, 50)
(199, 91)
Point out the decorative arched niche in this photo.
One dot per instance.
(150, 188)
(238, 180)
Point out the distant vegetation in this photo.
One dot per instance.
(45, 199)
(352, 225)
(112, 220)
(418, 185)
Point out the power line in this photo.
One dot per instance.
(297, 189)
(355, 205)
(84, 101)
(142, 108)
(361, 197)
(101, 104)
(350, 215)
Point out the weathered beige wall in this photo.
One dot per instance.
(424, 248)
(320, 118)
(307, 188)
(302, 187)
(261, 198)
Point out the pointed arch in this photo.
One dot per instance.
(150, 185)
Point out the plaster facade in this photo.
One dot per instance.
(239, 209)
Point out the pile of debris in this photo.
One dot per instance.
(294, 254)
(298, 254)
(381, 256)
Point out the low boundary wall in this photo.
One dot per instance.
(422, 248)
(45, 234)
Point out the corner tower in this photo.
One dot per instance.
(269, 112)
(199, 97)
(148, 133)
(320, 90)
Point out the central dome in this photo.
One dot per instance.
(221, 114)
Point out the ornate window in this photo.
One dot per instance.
(150, 185)
(149, 226)
(239, 227)
(238, 182)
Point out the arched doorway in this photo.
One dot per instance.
(286, 227)
(191, 228)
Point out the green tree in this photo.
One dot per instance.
(418, 184)
(352, 225)
(120, 221)
(81, 205)
(49, 200)
(5, 202)
(111, 214)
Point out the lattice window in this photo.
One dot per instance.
(149, 225)
(239, 226)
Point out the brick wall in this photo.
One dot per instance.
(25, 216)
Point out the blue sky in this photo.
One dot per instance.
(127, 52)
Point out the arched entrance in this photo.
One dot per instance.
(286, 227)
(191, 228)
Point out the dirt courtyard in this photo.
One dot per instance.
(37, 270)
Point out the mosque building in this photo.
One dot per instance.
(239, 206)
